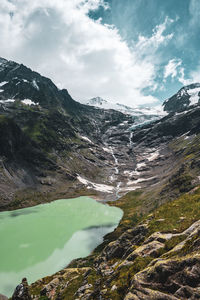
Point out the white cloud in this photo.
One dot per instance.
(158, 38)
(172, 68)
(175, 69)
(195, 75)
(58, 39)
(194, 9)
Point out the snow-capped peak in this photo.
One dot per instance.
(185, 97)
(131, 110)
(98, 101)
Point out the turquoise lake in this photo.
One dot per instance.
(40, 240)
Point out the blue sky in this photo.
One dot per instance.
(135, 52)
(140, 17)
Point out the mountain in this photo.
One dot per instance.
(139, 114)
(155, 251)
(48, 140)
(53, 147)
(186, 97)
(19, 83)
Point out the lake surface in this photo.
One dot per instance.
(40, 240)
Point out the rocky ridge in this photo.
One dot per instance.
(187, 96)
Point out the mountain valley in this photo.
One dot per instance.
(148, 165)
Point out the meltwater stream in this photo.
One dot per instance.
(38, 241)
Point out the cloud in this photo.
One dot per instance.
(172, 68)
(58, 39)
(175, 70)
(158, 38)
(195, 75)
(194, 9)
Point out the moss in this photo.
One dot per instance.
(43, 298)
(124, 276)
(188, 247)
(186, 207)
(69, 292)
(3, 119)
(131, 204)
(170, 244)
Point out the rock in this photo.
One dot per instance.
(150, 249)
(185, 292)
(114, 287)
(123, 245)
(160, 237)
(85, 289)
(148, 294)
(2, 297)
(171, 276)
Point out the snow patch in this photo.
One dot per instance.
(96, 186)
(131, 182)
(7, 101)
(34, 83)
(194, 97)
(127, 189)
(140, 165)
(3, 83)
(153, 156)
(106, 150)
(1, 91)
(85, 138)
(131, 173)
(29, 102)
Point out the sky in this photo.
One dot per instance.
(134, 52)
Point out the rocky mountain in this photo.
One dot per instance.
(53, 147)
(186, 97)
(155, 251)
(49, 142)
(139, 114)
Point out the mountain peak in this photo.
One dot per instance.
(3, 60)
(187, 96)
(20, 83)
(97, 101)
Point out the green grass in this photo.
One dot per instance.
(186, 206)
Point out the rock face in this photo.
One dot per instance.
(48, 140)
(186, 97)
